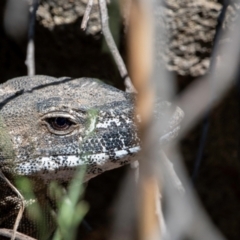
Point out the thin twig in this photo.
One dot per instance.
(21, 210)
(19, 236)
(30, 59)
(86, 14)
(113, 48)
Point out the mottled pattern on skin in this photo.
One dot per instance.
(103, 135)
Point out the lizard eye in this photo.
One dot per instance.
(60, 125)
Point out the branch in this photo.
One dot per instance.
(86, 14)
(30, 61)
(113, 48)
(18, 236)
(21, 210)
(205, 92)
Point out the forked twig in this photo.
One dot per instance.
(113, 48)
(30, 61)
(18, 236)
(86, 14)
(21, 210)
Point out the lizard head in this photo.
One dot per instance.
(49, 127)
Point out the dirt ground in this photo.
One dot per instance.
(67, 51)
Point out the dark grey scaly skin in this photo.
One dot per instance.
(100, 131)
(49, 127)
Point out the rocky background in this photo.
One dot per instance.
(62, 49)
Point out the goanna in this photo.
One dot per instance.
(51, 126)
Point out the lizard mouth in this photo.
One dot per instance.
(62, 168)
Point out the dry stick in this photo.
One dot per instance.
(203, 228)
(150, 220)
(152, 223)
(21, 210)
(141, 70)
(86, 14)
(125, 6)
(167, 173)
(113, 48)
(30, 60)
(149, 206)
(19, 236)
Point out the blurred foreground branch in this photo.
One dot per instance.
(16, 14)
(205, 92)
(184, 215)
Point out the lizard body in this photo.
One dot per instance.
(51, 126)
(56, 125)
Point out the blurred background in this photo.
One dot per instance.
(63, 49)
